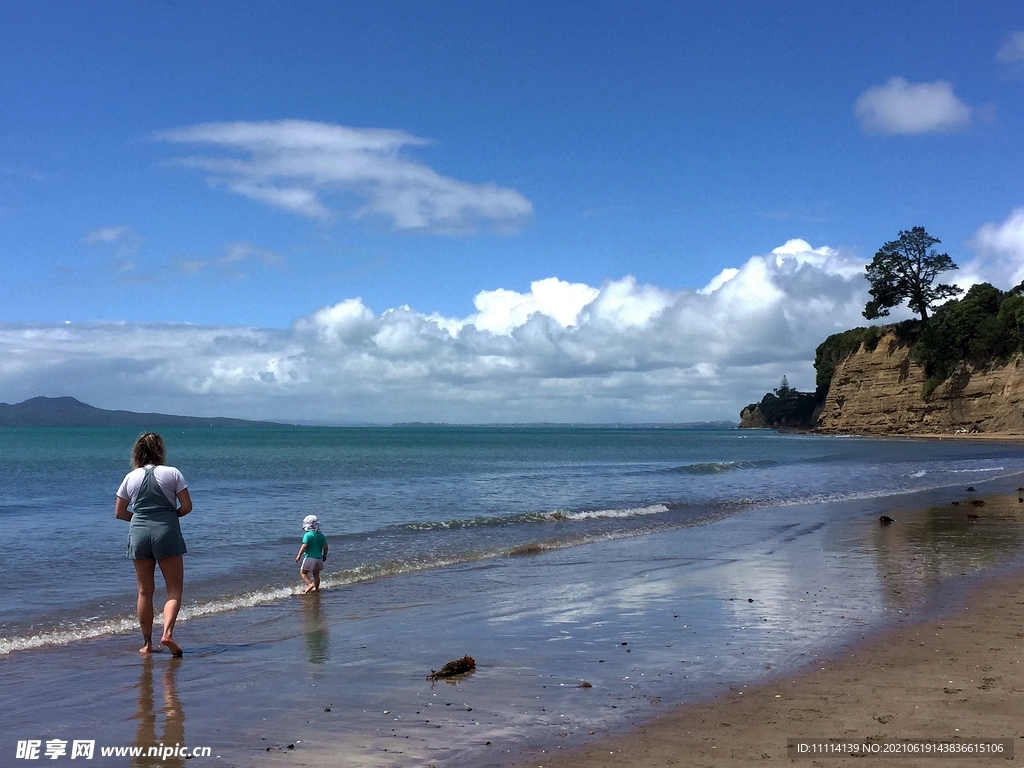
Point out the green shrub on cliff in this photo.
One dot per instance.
(832, 351)
(986, 326)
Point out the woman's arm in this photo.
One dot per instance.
(185, 502)
(302, 551)
(121, 509)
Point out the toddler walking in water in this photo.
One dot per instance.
(313, 552)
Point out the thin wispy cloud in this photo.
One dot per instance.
(1011, 54)
(108, 234)
(24, 172)
(903, 108)
(122, 242)
(309, 168)
(231, 262)
(786, 215)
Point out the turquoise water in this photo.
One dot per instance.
(402, 499)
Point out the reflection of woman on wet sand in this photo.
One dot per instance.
(174, 718)
(152, 497)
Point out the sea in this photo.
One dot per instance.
(483, 540)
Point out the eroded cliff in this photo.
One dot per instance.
(879, 392)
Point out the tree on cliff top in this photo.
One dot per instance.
(905, 270)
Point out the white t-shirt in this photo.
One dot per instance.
(168, 478)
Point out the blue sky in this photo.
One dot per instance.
(482, 211)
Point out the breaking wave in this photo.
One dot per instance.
(714, 467)
(535, 517)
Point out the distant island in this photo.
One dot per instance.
(69, 412)
(706, 425)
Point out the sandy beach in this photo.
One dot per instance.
(957, 677)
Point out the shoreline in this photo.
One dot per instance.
(995, 437)
(959, 677)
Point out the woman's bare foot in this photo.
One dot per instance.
(173, 647)
(148, 648)
(309, 589)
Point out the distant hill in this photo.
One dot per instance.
(710, 425)
(69, 412)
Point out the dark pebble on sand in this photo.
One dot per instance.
(327, 709)
(970, 488)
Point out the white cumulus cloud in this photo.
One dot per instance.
(900, 107)
(561, 351)
(300, 166)
(999, 250)
(500, 311)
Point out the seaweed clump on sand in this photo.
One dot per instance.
(453, 668)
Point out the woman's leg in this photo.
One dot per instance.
(144, 571)
(173, 570)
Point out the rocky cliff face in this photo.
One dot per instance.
(752, 418)
(879, 392)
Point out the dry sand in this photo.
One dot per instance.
(957, 677)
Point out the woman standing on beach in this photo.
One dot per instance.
(152, 497)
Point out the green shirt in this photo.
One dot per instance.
(315, 543)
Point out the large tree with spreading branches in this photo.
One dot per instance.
(905, 269)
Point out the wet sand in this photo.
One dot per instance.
(956, 677)
(939, 651)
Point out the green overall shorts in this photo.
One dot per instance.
(154, 532)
